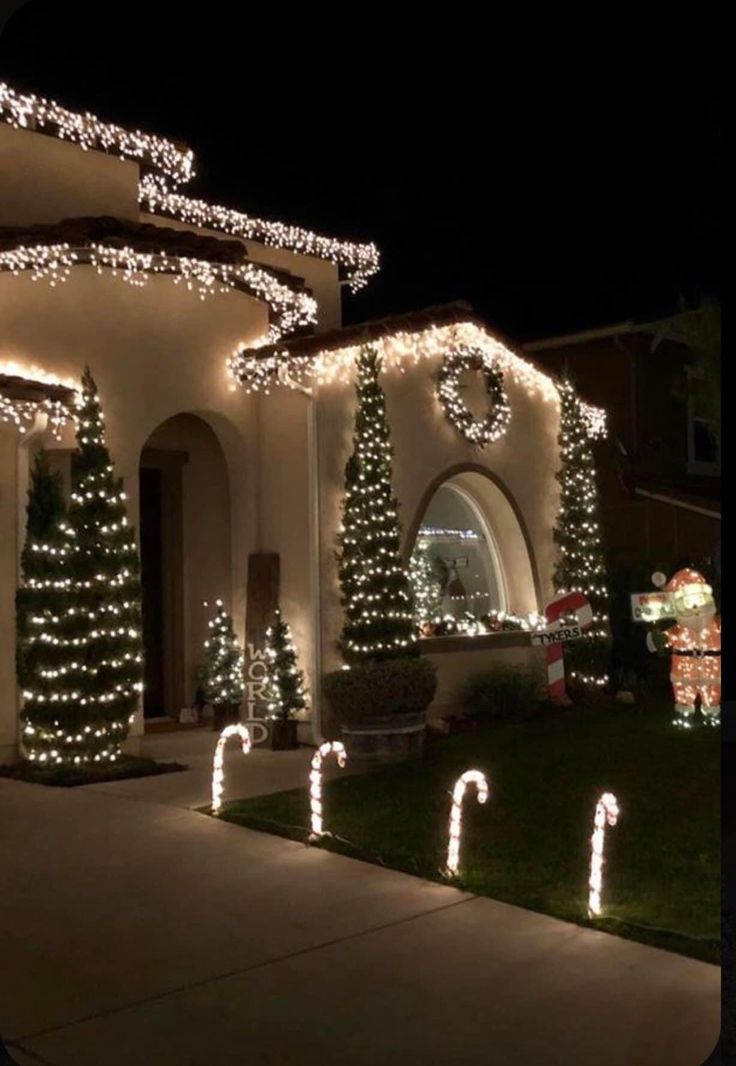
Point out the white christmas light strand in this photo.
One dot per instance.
(218, 772)
(87, 131)
(290, 308)
(453, 851)
(595, 420)
(336, 748)
(457, 361)
(361, 261)
(606, 810)
(22, 413)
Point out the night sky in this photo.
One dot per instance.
(554, 196)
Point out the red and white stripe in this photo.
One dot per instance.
(565, 603)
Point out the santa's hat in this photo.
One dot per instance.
(686, 582)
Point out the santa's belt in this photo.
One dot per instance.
(699, 654)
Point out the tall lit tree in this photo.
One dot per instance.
(42, 588)
(426, 585)
(376, 592)
(82, 712)
(580, 564)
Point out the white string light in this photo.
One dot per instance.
(478, 779)
(22, 413)
(361, 261)
(87, 131)
(290, 308)
(606, 810)
(336, 748)
(218, 772)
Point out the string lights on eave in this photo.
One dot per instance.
(399, 351)
(360, 261)
(21, 413)
(53, 263)
(87, 131)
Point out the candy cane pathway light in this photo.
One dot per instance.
(315, 782)
(218, 773)
(469, 777)
(606, 810)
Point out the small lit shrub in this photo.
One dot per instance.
(377, 689)
(502, 692)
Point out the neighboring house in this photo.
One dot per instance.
(227, 384)
(661, 485)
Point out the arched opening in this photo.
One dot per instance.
(185, 539)
(470, 555)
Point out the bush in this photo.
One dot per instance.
(503, 692)
(376, 689)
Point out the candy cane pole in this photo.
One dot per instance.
(566, 603)
(606, 810)
(218, 773)
(453, 850)
(315, 782)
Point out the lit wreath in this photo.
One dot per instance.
(494, 425)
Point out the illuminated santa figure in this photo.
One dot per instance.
(695, 643)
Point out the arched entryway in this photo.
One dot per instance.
(185, 538)
(475, 549)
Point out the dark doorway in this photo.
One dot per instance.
(152, 580)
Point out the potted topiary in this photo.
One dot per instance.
(221, 677)
(381, 707)
(380, 697)
(285, 691)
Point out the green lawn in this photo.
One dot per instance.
(530, 844)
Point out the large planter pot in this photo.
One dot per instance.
(381, 708)
(284, 735)
(224, 714)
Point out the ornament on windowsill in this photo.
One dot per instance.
(462, 358)
(695, 643)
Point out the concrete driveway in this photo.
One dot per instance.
(134, 929)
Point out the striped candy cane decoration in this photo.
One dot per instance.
(565, 603)
(453, 849)
(606, 810)
(315, 782)
(218, 772)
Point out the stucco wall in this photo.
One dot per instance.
(155, 352)
(44, 179)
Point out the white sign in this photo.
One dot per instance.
(255, 687)
(557, 636)
(651, 606)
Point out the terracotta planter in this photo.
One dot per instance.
(284, 735)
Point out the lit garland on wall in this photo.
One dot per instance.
(400, 351)
(457, 361)
(361, 261)
(478, 779)
(53, 263)
(580, 566)
(218, 771)
(336, 748)
(22, 413)
(453, 534)
(606, 810)
(85, 658)
(87, 131)
(376, 592)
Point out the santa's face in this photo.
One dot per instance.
(694, 607)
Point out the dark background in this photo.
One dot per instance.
(553, 191)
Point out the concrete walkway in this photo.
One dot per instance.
(133, 929)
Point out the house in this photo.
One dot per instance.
(226, 380)
(661, 489)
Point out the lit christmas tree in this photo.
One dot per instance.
(221, 677)
(425, 583)
(376, 592)
(42, 589)
(81, 710)
(285, 691)
(580, 565)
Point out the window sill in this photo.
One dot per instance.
(485, 642)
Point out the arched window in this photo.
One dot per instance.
(455, 566)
